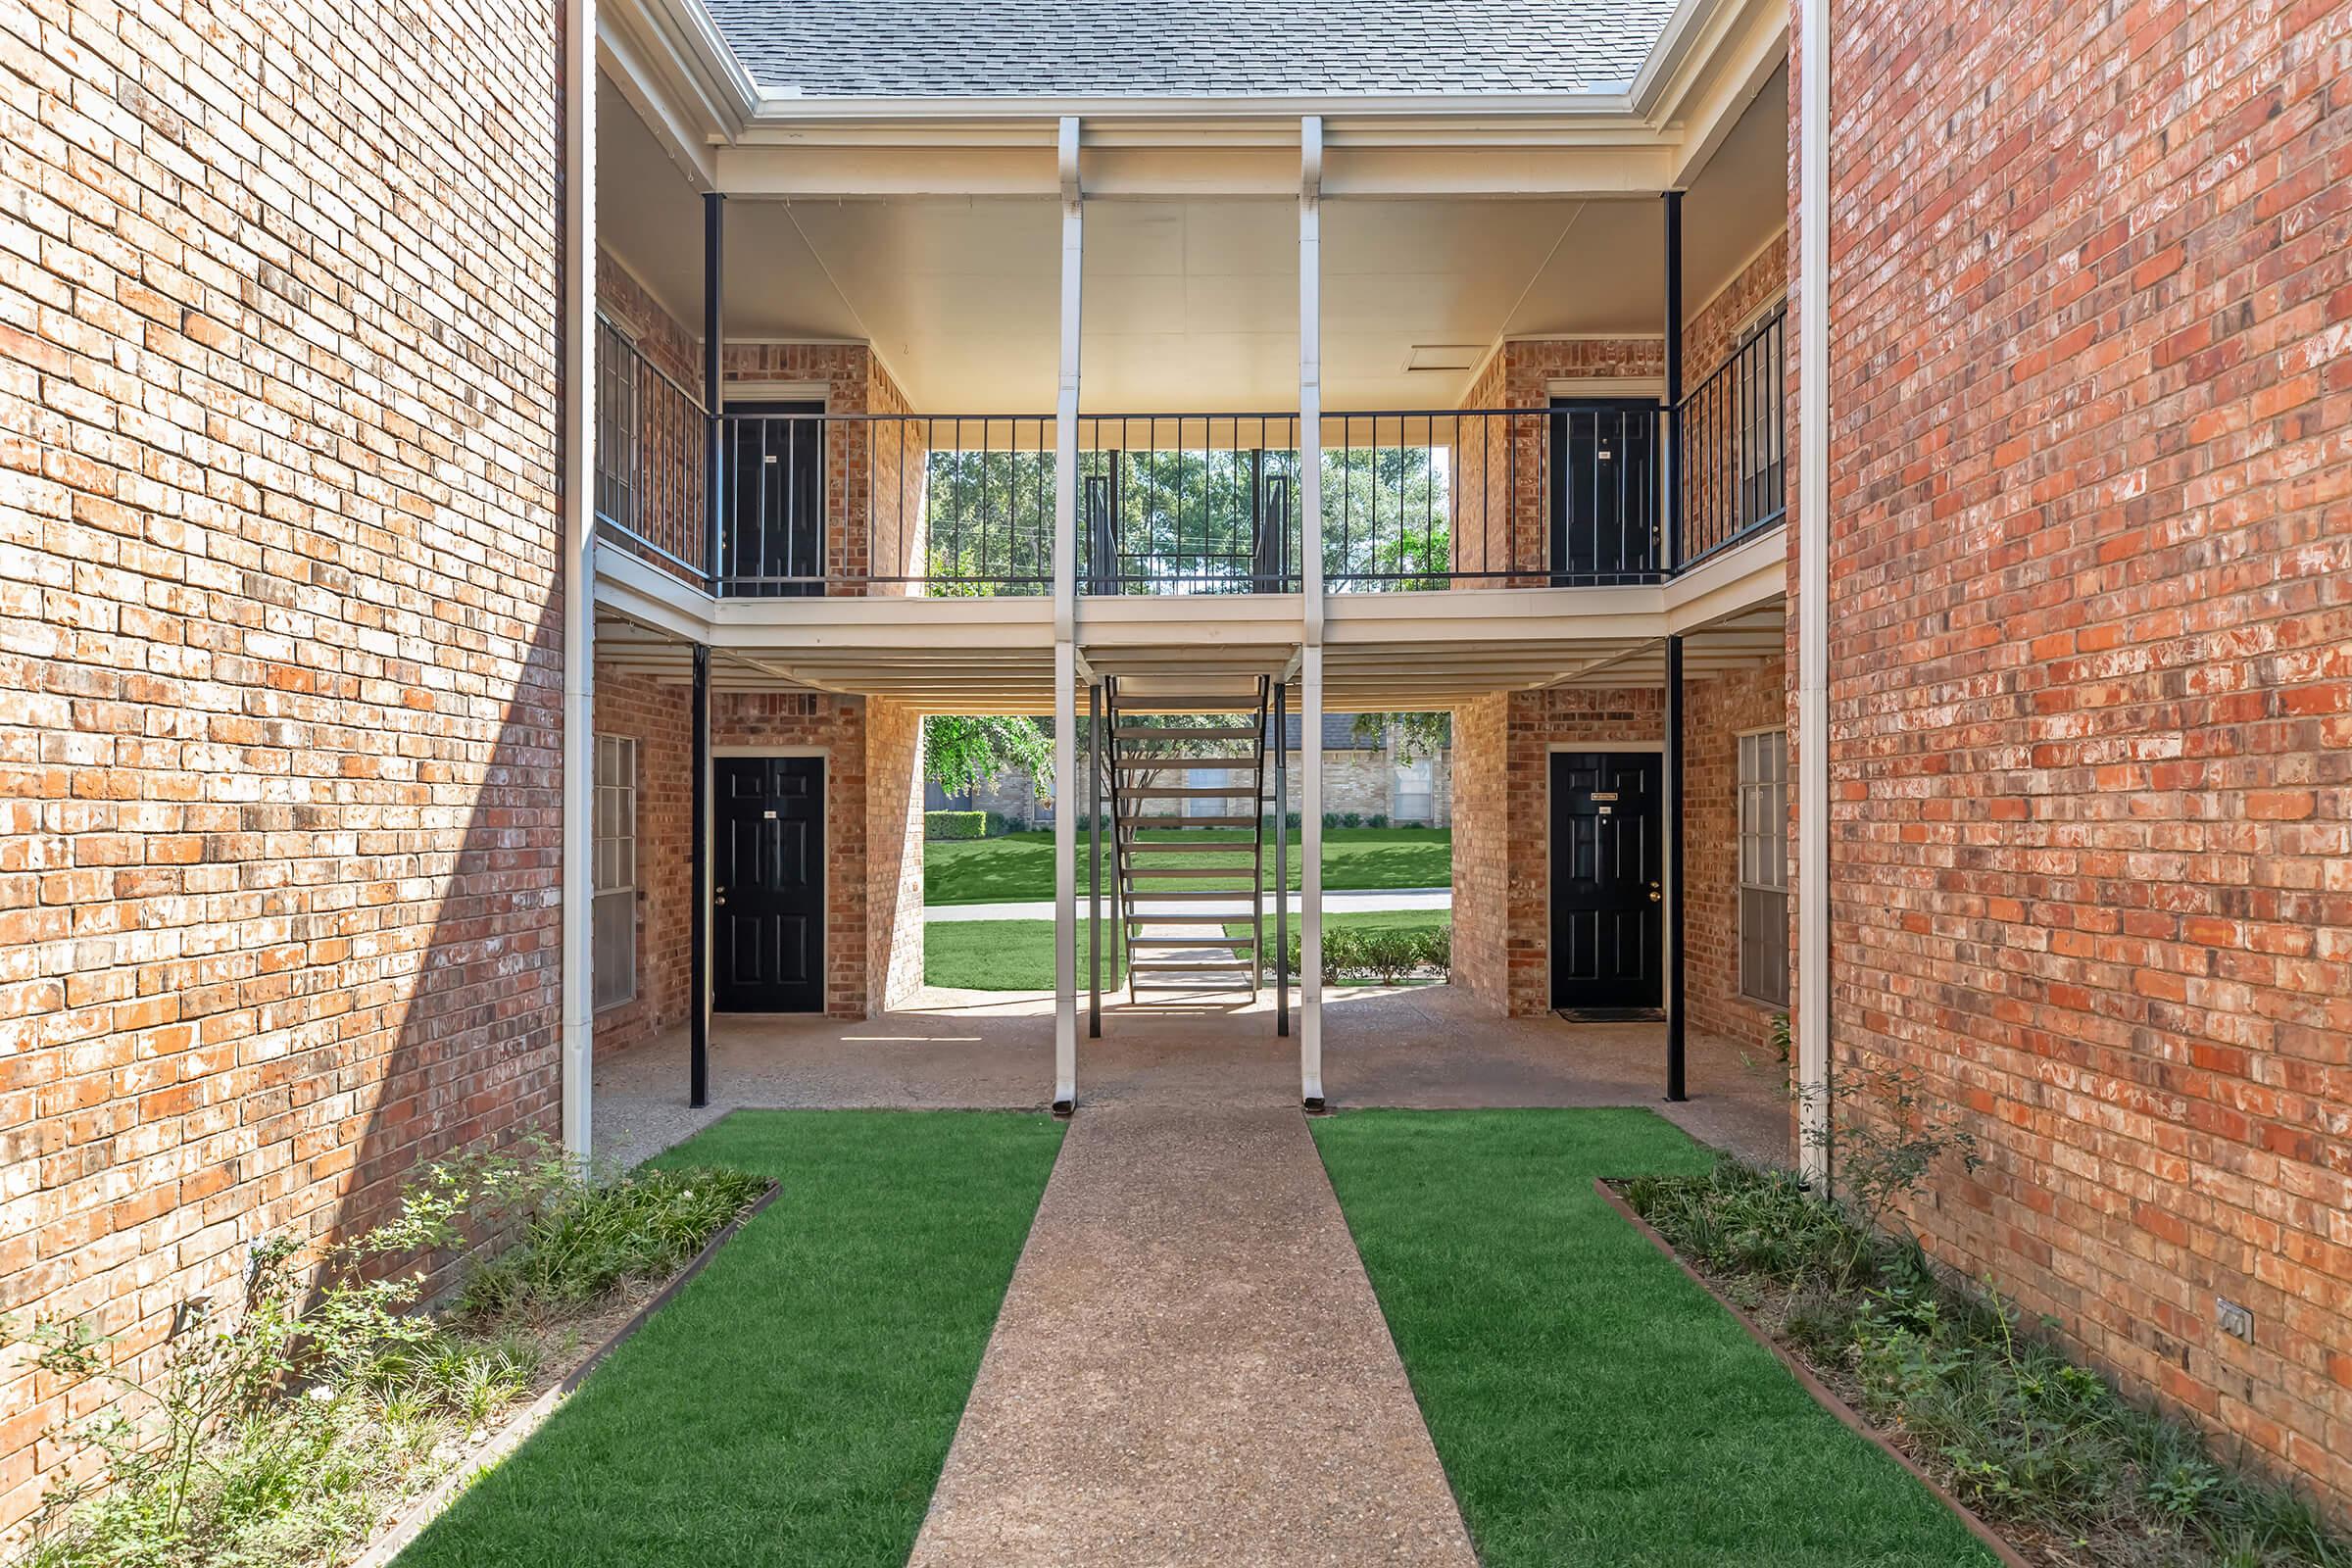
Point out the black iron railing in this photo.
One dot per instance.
(650, 440)
(1733, 456)
(963, 506)
(1188, 503)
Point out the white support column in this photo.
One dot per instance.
(1813, 595)
(577, 1028)
(1311, 581)
(1065, 638)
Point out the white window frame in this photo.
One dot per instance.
(1405, 785)
(1760, 802)
(613, 870)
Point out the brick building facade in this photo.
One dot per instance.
(281, 632)
(280, 644)
(2090, 656)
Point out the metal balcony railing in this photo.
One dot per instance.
(1188, 503)
(1733, 456)
(963, 506)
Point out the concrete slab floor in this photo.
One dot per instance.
(1425, 1047)
(1191, 1368)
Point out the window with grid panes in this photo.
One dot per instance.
(1764, 868)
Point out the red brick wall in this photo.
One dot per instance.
(1712, 331)
(2091, 660)
(280, 673)
(873, 795)
(1715, 714)
(661, 722)
(1482, 850)
(893, 875)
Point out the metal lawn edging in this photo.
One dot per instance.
(1827, 1397)
(519, 1427)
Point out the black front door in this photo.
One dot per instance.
(1608, 879)
(768, 892)
(775, 485)
(1604, 489)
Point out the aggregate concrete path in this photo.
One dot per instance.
(1191, 1368)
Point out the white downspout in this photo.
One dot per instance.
(577, 1042)
(1066, 637)
(1813, 593)
(1310, 582)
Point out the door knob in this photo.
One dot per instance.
(1655, 896)
(719, 894)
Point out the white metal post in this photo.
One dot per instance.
(577, 1029)
(1065, 644)
(1813, 595)
(1310, 582)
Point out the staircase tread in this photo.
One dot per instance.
(1181, 732)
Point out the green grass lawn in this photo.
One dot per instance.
(794, 1404)
(1019, 866)
(1007, 955)
(1590, 1403)
(1018, 955)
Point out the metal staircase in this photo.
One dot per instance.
(1176, 930)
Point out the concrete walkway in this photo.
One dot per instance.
(1429, 1047)
(1191, 1368)
(1355, 900)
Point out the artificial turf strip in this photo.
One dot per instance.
(793, 1405)
(1589, 1403)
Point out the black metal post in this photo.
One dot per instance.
(715, 334)
(1282, 862)
(1094, 859)
(697, 939)
(1673, 542)
(1675, 959)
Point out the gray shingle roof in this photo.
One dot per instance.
(1207, 48)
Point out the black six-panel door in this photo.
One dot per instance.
(775, 487)
(768, 892)
(1607, 880)
(1604, 489)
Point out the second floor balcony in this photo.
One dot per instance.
(1581, 491)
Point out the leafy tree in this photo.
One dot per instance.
(961, 752)
(1415, 734)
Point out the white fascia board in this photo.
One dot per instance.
(621, 53)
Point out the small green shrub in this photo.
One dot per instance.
(1388, 955)
(1377, 820)
(593, 1238)
(278, 1431)
(2010, 1424)
(1350, 819)
(959, 826)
